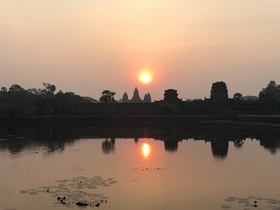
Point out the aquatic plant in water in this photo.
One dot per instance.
(76, 191)
(251, 202)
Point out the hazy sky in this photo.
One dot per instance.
(86, 46)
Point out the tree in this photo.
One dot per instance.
(238, 100)
(272, 89)
(16, 88)
(49, 89)
(107, 97)
(269, 97)
(34, 91)
(238, 97)
(3, 90)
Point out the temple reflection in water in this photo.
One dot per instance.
(56, 138)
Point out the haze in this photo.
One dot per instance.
(88, 46)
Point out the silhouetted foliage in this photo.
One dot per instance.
(16, 88)
(270, 97)
(16, 101)
(238, 101)
(238, 97)
(49, 89)
(107, 97)
(3, 90)
(272, 91)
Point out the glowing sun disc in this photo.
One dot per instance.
(145, 77)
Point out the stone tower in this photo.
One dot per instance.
(219, 91)
(171, 96)
(125, 98)
(136, 97)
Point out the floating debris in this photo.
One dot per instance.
(76, 191)
(251, 202)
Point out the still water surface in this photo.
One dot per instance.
(138, 173)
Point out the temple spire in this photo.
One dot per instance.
(136, 97)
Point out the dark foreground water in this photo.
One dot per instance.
(139, 168)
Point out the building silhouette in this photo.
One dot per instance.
(219, 91)
(136, 97)
(171, 96)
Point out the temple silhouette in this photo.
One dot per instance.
(136, 98)
(37, 103)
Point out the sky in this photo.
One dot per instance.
(87, 46)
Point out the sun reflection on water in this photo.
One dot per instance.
(146, 149)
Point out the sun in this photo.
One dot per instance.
(145, 77)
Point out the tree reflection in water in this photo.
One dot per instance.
(108, 146)
(56, 137)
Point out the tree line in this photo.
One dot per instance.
(267, 102)
(17, 101)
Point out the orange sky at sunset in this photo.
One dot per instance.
(88, 46)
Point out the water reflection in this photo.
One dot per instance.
(108, 146)
(146, 149)
(219, 147)
(54, 138)
(91, 157)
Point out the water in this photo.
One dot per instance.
(139, 168)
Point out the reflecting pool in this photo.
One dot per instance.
(139, 168)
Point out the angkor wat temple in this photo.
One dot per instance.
(136, 98)
(36, 104)
(218, 104)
